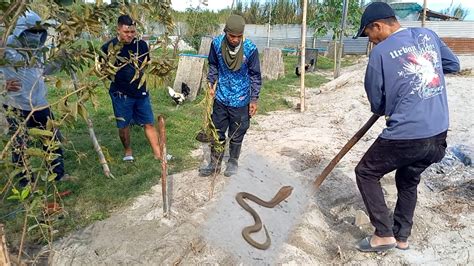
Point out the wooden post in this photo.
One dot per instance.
(4, 257)
(269, 25)
(341, 36)
(303, 55)
(335, 56)
(423, 19)
(164, 164)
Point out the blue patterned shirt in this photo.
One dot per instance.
(235, 88)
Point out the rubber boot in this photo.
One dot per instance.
(232, 163)
(214, 166)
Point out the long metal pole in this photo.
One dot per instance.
(303, 57)
(341, 36)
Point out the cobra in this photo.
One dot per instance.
(281, 195)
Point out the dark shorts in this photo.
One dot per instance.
(127, 109)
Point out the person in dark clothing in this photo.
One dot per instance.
(131, 102)
(26, 92)
(405, 83)
(234, 71)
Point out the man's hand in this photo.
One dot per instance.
(253, 108)
(212, 89)
(13, 85)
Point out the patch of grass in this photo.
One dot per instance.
(325, 63)
(95, 196)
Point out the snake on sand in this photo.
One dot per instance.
(282, 194)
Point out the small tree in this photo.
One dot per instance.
(79, 59)
(328, 18)
(458, 11)
(200, 23)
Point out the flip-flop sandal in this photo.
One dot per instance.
(128, 158)
(407, 248)
(364, 246)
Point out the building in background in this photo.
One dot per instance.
(412, 11)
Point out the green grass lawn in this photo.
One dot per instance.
(95, 196)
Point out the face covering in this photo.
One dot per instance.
(233, 56)
(32, 39)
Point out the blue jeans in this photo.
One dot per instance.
(128, 109)
(409, 158)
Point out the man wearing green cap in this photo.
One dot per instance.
(234, 80)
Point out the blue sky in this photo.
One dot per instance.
(435, 5)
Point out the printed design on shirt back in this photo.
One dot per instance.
(421, 65)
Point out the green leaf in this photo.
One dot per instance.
(81, 109)
(52, 177)
(25, 193)
(90, 45)
(58, 84)
(40, 132)
(14, 197)
(35, 152)
(74, 110)
(32, 227)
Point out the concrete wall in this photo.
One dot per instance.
(288, 36)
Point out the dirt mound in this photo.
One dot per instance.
(291, 148)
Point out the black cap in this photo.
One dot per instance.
(374, 12)
(125, 20)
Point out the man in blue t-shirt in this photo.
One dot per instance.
(234, 71)
(405, 83)
(130, 102)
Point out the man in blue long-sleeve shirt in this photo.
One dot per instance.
(234, 72)
(405, 83)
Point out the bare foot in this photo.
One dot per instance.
(377, 240)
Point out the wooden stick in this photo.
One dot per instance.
(303, 58)
(345, 149)
(95, 142)
(98, 149)
(164, 164)
(4, 257)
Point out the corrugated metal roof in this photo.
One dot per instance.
(403, 10)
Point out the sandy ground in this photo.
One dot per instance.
(310, 227)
